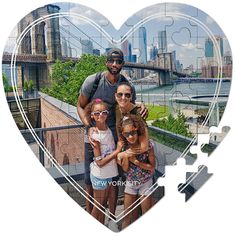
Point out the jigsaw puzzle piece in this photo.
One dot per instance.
(216, 136)
(202, 158)
(206, 144)
(194, 181)
(170, 181)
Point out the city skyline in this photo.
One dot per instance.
(182, 35)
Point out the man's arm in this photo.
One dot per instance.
(81, 104)
(143, 108)
(143, 111)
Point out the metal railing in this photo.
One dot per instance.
(50, 137)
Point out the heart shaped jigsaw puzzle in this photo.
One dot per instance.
(113, 115)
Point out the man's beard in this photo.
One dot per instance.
(116, 72)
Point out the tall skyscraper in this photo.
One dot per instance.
(153, 53)
(125, 49)
(213, 57)
(96, 52)
(220, 43)
(64, 47)
(209, 48)
(142, 45)
(87, 46)
(130, 52)
(227, 58)
(134, 58)
(162, 42)
(106, 50)
(173, 55)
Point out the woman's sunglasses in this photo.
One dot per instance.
(120, 95)
(127, 134)
(100, 113)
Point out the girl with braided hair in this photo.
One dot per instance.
(139, 168)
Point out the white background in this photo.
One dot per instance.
(32, 204)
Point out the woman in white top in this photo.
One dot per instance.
(104, 166)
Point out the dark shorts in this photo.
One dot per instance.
(88, 159)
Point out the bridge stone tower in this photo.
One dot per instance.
(43, 39)
(164, 60)
(36, 41)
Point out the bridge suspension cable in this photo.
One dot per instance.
(73, 36)
(91, 39)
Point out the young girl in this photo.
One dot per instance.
(104, 166)
(124, 107)
(139, 168)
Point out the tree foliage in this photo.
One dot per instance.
(176, 125)
(7, 87)
(67, 77)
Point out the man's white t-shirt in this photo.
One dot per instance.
(107, 145)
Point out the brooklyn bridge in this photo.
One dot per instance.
(42, 45)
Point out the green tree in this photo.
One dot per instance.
(7, 87)
(67, 77)
(30, 86)
(26, 87)
(176, 125)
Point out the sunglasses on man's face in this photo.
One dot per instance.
(118, 62)
(120, 95)
(100, 113)
(127, 134)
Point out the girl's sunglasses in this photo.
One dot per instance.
(127, 134)
(100, 113)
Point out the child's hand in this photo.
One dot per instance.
(121, 156)
(120, 145)
(90, 132)
(132, 158)
(136, 162)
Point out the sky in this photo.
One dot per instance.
(187, 28)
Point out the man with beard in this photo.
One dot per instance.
(103, 86)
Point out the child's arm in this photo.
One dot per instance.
(103, 161)
(146, 166)
(123, 160)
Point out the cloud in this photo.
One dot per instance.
(185, 46)
(191, 46)
(174, 7)
(161, 8)
(88, 13)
